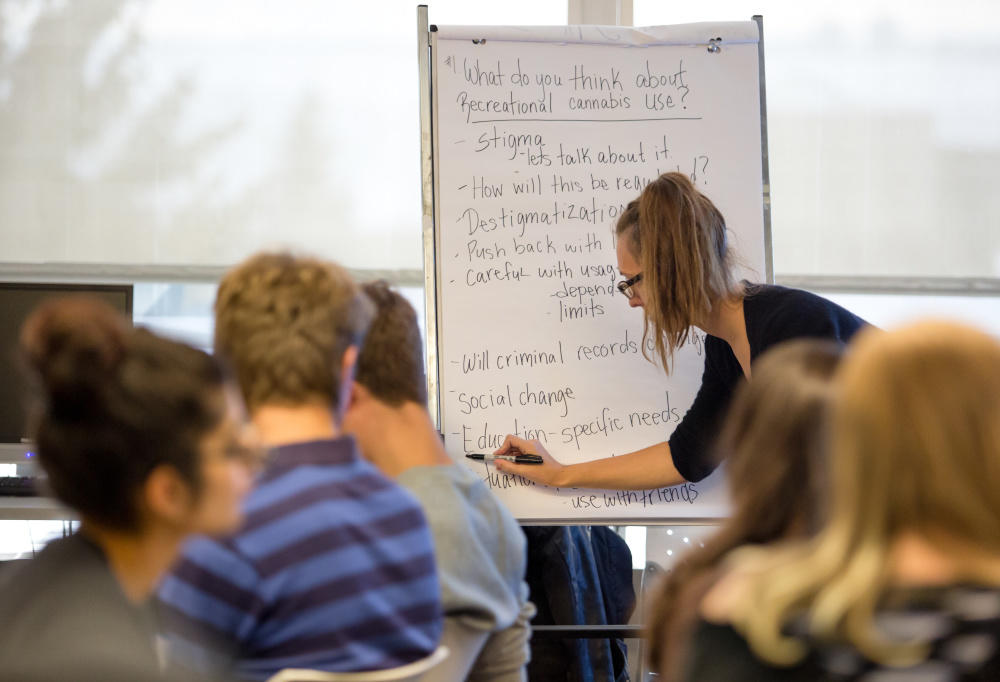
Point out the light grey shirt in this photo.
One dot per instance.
(481, 558)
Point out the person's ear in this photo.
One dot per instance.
(167, 496)
(348, 363)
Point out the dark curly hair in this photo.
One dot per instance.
(113, 403)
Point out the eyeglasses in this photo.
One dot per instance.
(242, 445)
(254, 457)
(627, 286)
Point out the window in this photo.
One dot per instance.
(168, 134)
(158, 142)
(884, 130)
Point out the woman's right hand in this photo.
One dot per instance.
(550, 472)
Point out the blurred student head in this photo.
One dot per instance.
(391, 363)
(773, 442)
(917, 435)
(291, 326)
(390, 369)
(915, 453)
(132, 429)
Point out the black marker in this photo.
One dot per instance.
(516, 459)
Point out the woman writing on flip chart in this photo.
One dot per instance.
(673, 253)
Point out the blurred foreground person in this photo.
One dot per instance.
(903, 582)
(144, 440)
(773, 444)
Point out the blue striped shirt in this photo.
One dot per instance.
(333, 570)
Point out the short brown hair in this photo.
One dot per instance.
(391, 364)
(678, 237)
(284, 322)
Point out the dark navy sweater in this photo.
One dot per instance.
(772, 314)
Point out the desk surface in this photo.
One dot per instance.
(33, 509)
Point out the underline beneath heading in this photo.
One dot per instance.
(586, 120)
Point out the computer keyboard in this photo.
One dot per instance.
(18, 486)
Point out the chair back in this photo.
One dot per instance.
(411, 672)
(464, 646)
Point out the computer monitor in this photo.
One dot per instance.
(17, 301)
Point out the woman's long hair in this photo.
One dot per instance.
(915, 449)
(772, 442)
(678, 237)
